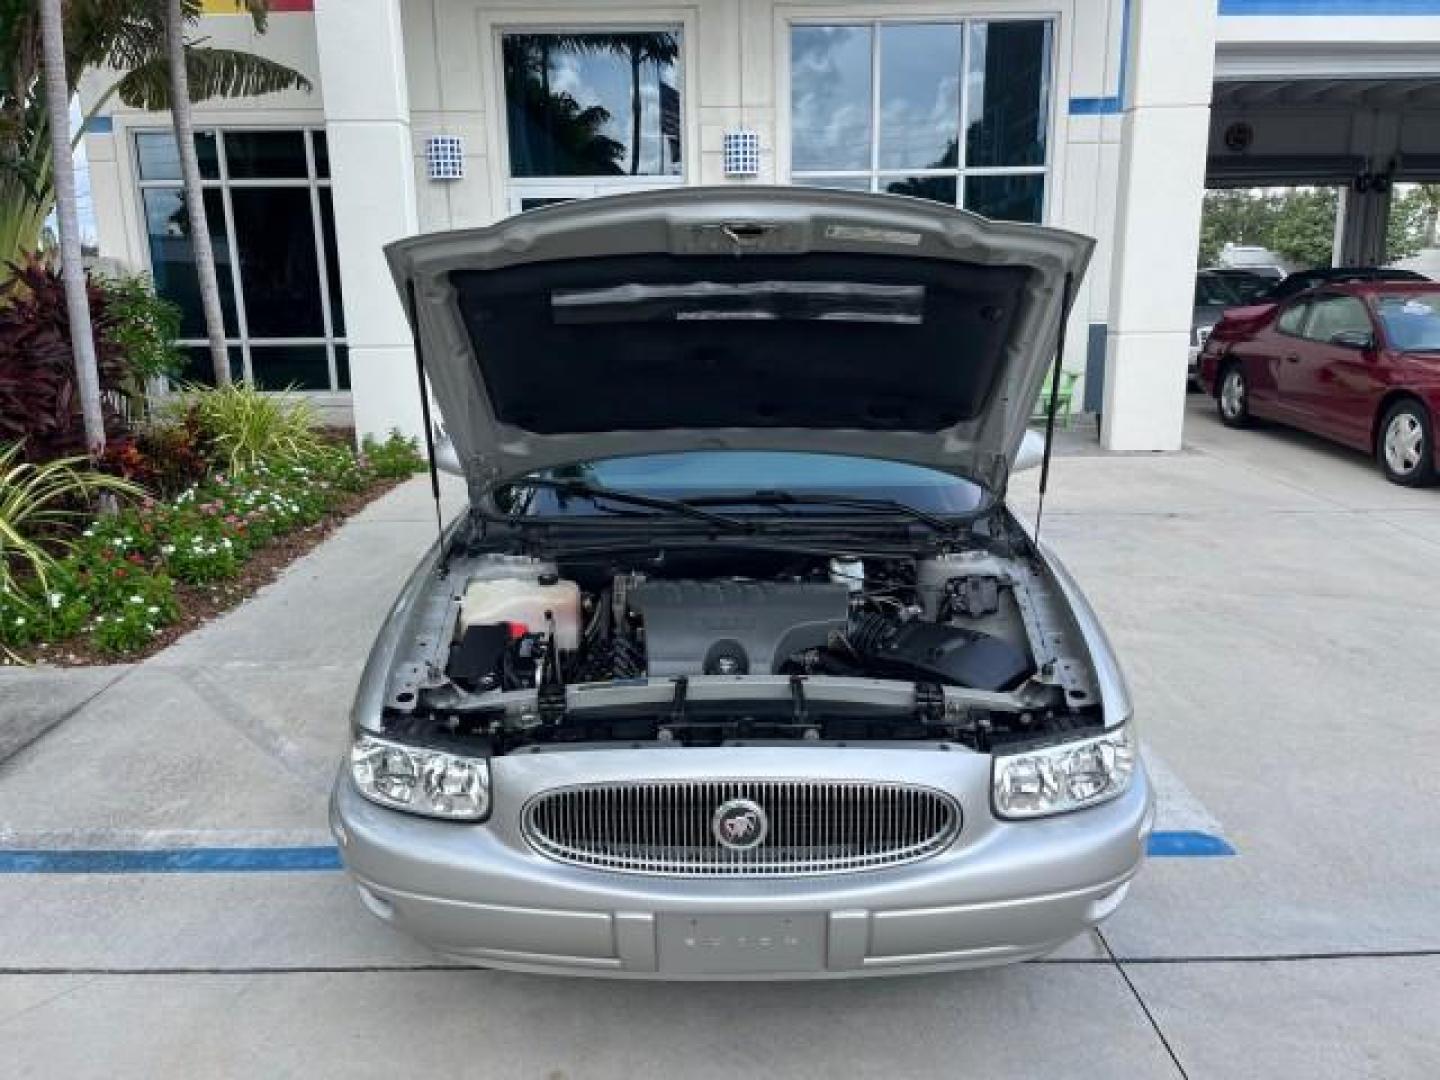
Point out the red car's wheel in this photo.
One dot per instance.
(1232, 397)
(1406, 446)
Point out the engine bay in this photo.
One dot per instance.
(956, 624)
(710, 646)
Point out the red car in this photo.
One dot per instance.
(1356, 362)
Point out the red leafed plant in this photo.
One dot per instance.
(39, 397)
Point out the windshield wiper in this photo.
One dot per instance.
(579, 489)
(878, 506)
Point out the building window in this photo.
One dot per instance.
(956, 112)
(268, 204)
(592, 110)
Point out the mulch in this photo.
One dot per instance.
(199, 604)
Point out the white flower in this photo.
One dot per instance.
(56, 599)
(152, 610)
(167, 549)
(88, 533)
(137, 599)
(19, 620)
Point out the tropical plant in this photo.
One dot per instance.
(142, 327)
(127, 37)
(39, 401)
(249, 428)
(39, 505)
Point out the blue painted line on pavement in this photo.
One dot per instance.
(256, 860)
(1188, 845)
(196, 860)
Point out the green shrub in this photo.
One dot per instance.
(249, 427)
(142, 327)
(397, 456)
(138, 616)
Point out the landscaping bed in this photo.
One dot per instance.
(196, 603)
(189, 499)
(211, 502)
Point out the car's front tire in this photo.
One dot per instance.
(1406, 445)
(1232, 397)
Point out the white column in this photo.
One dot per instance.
(367, 123)
(1165, 133)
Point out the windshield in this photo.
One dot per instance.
(714, 475)
(1247, 286)
(1212, 291)
(1411, 319)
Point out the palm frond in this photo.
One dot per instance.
(231, 73)
(225, 73)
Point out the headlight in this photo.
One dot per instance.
(1068, 776)
(421, 780)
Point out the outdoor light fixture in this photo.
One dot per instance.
(1068, 776)
(741, 153)
(445, 157)
(421, 780)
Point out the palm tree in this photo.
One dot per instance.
(177, 75)
(77, 300)
(180, 111)
(128, 37)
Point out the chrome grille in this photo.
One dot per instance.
(815, 826)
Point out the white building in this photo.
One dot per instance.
(1108, 117)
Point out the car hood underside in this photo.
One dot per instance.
(739, 318)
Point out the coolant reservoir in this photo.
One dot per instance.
(525, 601)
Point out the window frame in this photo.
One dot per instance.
(876, 18)
(511, 189)
(331, 342)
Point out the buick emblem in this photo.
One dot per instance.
(740, 824)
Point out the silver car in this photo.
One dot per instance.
(738, 666)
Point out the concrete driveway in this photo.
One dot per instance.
(1277, 607)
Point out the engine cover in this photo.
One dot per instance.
(735, 627)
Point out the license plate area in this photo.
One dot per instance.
(736, 944)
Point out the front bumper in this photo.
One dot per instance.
(1004, 892)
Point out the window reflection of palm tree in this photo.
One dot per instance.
(573, 131)
(573, 143)
(661, 50)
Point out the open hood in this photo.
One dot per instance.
(742, 318)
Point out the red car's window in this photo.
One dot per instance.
(1292, 318)
(1411, 320)
(1332, 315)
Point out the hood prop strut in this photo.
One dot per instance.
(1054, 402)
(429, 430)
